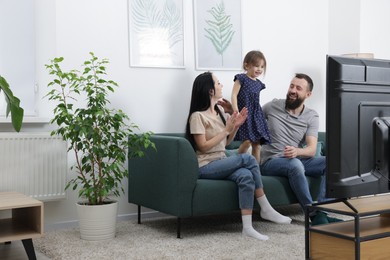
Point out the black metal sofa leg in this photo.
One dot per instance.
(139, 214)
(178, 227)
(178, 221)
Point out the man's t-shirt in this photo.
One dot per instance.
(286, 129)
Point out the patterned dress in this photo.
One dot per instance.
(255, 127)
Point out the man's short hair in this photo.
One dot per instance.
(307, 78)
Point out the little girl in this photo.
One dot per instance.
(246, 93)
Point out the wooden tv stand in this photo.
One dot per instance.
(25, 223)
(365, 236)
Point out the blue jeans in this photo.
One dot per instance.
(243, 169)
(295, 170)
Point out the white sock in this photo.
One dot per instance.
(248, 229)
(269, 213)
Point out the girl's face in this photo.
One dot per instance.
(217, 88)
(255, 70)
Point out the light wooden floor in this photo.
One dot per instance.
(15, 251)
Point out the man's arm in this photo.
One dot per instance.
(226, 105)
(308, 151)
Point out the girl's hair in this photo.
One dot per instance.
(253, 58)
(202, 88)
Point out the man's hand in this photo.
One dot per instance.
(227, 106)
(290, 152)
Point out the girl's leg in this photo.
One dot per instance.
(256, 151)
(244, 146)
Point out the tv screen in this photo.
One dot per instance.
(357, 126)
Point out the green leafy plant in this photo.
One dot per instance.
(13, 105)
(99, 137)
(220, 32)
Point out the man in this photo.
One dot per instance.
(292, 124)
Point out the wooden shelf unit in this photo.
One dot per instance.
(365, 236)
(25, 221)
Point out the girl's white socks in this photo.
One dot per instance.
(248, 229)
(269, 213)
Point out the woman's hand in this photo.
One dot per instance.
(241, 117)
(236, 120)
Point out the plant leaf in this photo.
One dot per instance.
(13, 106)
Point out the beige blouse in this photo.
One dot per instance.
(210, 125)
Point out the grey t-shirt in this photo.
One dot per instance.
(287, 129)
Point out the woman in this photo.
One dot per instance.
(209, 130)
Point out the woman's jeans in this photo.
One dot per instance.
(243, 169)
(295, 170)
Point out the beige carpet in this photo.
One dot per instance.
(212, 237)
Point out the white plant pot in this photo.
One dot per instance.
(97, 222)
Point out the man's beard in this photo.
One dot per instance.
(293, 104)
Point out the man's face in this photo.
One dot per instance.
(297, 93)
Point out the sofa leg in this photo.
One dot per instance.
(178, 227)
(139, 214)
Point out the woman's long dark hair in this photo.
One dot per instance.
(202, 88)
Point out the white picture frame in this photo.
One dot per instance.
(214, 50)
(156, 33)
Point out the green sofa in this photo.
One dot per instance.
(166, 180)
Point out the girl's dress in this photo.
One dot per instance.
(255, 127)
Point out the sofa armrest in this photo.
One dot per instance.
(164, 179)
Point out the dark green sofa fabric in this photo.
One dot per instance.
(166, 180)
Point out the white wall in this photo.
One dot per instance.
(375, 28)
(294, 35)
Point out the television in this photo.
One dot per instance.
(357, 126)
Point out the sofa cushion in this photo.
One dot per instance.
(212, 196)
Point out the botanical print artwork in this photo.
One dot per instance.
(220, 30)
(156, 33)
(218, 34)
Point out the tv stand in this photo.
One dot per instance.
(365, 236)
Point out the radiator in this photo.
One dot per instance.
(34, 164)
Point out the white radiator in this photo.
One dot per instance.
(34, 164)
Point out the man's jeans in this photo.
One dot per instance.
(243, 169)
(295, 170)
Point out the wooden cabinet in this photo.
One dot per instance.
(21, 219)
(365, 235)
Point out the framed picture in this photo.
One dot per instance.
(156, 33)
(218, 43)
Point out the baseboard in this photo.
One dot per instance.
(123, 217)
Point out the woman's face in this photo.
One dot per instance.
(217, 87)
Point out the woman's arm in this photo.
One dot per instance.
(203, 145)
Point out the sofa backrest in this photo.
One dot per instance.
(322, 142)
(321, 147)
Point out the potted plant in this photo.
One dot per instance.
(12, 105)
(98, 136)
